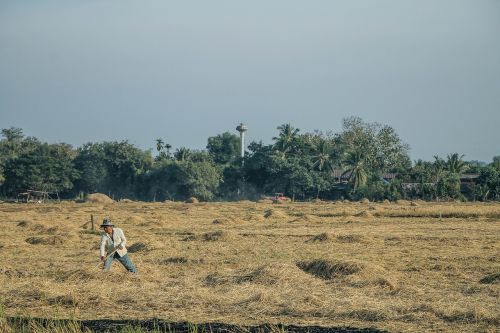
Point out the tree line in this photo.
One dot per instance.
(351, 164)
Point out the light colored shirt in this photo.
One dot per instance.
(110, 242)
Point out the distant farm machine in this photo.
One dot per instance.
(35, 196)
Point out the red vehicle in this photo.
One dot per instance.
(280, 197)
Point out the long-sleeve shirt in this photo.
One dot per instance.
(110, 242)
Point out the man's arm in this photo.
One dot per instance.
(103, 247)
(123, 241)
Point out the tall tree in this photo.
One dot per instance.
(357, 171)
(224, 148)
(46, 168)
(159, 145)
(496, 162)
(92, 166)
(322, 156)
(286, 139)
(182, 154)
(381, 147)
(455, 164)
(13, 134)
(125, 162)
(196, 179)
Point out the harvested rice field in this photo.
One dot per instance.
(397, 267)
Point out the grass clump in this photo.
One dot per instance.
(349, 238)
(49, 240)
(490, 278)
(214, 236)
(138, 247)
(323, 237)
(329, 269)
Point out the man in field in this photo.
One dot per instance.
(113, 243)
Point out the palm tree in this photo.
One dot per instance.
(323, 156)
(357, 169)
(182, 154)
(439, 168)
(159, 144)
(456, 164)
(168, 147)
(286, 138)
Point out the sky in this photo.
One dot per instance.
(94, 70)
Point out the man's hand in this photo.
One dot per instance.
(102, 258)
(120, 247)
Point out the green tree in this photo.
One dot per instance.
(381, 147)
(196, 179)
(159, 145)
(45, 168)
(357, 170)
(91, 162)
(286, 139)
(9, 147)
(182, 154)
(455, 164)
(488, 183)
(224, 148)
(258, 169)
(163, 150)
(124, 164)
(496, 163)
(291, 176)
(322, 156)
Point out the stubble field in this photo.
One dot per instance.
(394, 266)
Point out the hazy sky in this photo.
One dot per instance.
(93, 70)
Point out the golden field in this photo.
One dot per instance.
(402, 266)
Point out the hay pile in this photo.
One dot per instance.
(226, 220)
(355, 273)
(323, 237)
(37, 227)
(353, 238)
(98, 198)
(139, 247)
(274, 214)
(490, 279)
(192, 200)
(217, 236)
(48, 240)
(364, 214)
(402, 202)
(282, 274)
(254, 218)
(308, 218)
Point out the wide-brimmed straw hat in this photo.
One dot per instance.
(107, 223)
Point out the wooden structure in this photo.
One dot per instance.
(34, 196)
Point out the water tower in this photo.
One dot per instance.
(242, 129)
